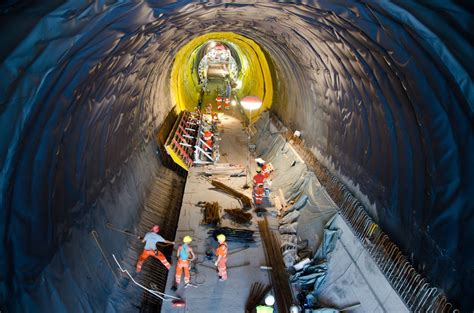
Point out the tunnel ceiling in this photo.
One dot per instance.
(382, 92)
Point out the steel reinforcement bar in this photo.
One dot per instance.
(280, 281)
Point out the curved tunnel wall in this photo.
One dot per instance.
(383, 94)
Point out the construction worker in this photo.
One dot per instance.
(150, 240)
(207, 137)
(219, 103)
(259, 178)
(267, 168)
(185, 255)
(226, 103)
(258, 194)
(221, 253)
(268, 307)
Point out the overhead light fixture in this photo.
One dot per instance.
(251, 103)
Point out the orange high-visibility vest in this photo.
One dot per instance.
(259, 179)
(267, 169)
(219, 102)
(258, 193)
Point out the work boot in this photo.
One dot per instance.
(186, 285)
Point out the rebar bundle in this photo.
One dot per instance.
(256, 294)
(246, 201)
(239, 216)
(279, 277)
(234, 234)
(211, 213)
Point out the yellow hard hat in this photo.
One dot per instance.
(187, 239)
(221, 237)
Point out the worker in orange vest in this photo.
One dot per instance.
(207, 137)
(227, 103)
(221, 253)
(185, 255)
(267, 168)
(258, 194)
(219, 103)
(259, 178)
(151, 239)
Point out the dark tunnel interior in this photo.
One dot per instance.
(381, 91)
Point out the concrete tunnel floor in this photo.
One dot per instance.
(353, 276)
(211, 295)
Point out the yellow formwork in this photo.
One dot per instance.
(255, 75)
(176, 158)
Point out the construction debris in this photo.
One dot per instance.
(234, 234)
(239, 216)
(211, 213)
(279, 277)
(310, 277)
(246, 201)
(256, 294)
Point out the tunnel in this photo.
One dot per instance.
(381, 92)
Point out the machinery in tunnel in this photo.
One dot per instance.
(381, 93)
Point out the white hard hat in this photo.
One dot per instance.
(294, 309)
(260, 161)
(269, 300)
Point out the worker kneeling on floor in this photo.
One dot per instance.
(151, 239)
(185, 255)
(221, 253)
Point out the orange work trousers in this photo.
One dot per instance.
(148, 253)
(182, 265)
(222, 268)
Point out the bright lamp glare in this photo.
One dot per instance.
(233, 102)
(251, 103)
(238, 84)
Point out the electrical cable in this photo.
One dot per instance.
(161, 295)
